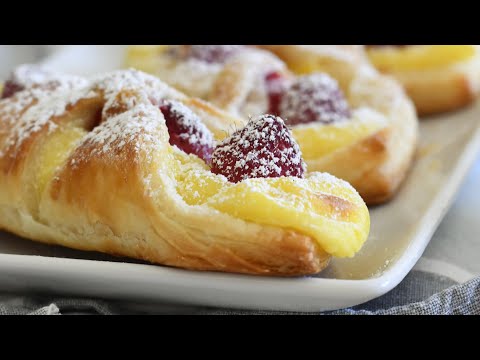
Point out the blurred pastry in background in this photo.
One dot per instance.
(438, 78)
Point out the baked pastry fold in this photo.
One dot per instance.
(87, 164)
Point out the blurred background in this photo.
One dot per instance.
(12, 55)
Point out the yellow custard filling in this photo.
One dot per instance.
(54, 152)
(321, 206)
(317, 140)
(144, 57)
(304, 65)
(419, 57)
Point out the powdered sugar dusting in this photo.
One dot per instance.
(46, 108)
(264, 148)
(50, 94)
(29, 75)
(189, 120)
(197, 77)
(187, 130)
(332, 183)
(241, 88)
(135, 131)
(192, 76)
(116, 81)
(139, 128)
(45, 96)
(35, 83)
(314, 98)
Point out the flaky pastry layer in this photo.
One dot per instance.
(87, 164)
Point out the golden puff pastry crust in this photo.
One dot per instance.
(373, 151)
(438, 78)
(87, 164)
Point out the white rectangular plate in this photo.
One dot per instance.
(400, 232)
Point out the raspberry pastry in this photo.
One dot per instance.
(123, 164)
(233, 77)
(348, 119)
(438, 78)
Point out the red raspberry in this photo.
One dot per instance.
(277, 84)
(187, 131)
(263, 149)
(10, 88)
(314, 98)
(213, 53)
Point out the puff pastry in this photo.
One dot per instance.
(372, 149)
(438, 78)
(88, 164)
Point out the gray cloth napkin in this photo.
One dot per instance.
(421, 293)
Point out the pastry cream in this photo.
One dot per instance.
(419, 57)
(54, 152)
(144, 57)
(312, 206)
(317, 140)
